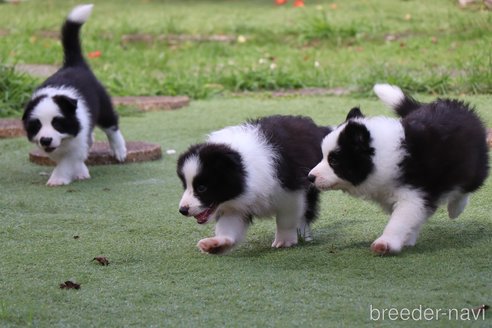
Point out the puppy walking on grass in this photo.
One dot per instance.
(435, 153)
(63, 111)
(256, 169)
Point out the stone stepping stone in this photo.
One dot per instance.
(100, 154)
(37, 70)
(142, 103)
(10, 128)
(151, 103)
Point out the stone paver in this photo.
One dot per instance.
(100, 154)
(37, 70)
(10, 128)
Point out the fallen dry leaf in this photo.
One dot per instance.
(103, 260)
(482, 308)
(70, 285)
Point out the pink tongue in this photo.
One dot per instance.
(203, 216)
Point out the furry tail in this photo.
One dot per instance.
(71, 34)
(393, 97)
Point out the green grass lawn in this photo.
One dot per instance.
(156, 275)
(432, 46)
(129, 213)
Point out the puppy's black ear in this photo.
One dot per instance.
(222, 158)
(67, 105)
(357, 137)
(353, 113)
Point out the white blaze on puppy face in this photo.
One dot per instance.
(45, 112)
(325, 176)
(190, 169)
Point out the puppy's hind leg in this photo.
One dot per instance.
(117, 143)
(289, 219)
(456, 204)
(230, 230)
(304, 232)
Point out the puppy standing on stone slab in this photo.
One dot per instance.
(435, 153)
(62, 112)
(255, 169)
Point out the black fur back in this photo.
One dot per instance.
(297, 140)
(446, 149)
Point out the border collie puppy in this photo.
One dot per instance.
(62, 112)
(435, 153)
(258, 169)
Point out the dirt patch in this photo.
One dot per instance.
(11, 128)
(152, 103)
(299, 92)
(176, 38)
(100, 154)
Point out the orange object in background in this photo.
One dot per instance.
(94, 54)
(297, 3)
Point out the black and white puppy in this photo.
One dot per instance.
(256, 169)
(435, 153)
(62, 112)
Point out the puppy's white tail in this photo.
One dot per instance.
(393, 97)
(80, 14)
(390, 95)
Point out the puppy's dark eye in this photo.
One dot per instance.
(57, 124)
(332, 160)
(201, 189)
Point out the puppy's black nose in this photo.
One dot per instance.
(45, 141)
(184, 210)
(311, 178)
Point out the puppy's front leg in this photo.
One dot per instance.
(403, 227)
(229, 231)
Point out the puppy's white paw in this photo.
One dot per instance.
(385, 245)
(117, 143)
(57, 181)
(83, 173)
(119, 152)
(283, 240)
(215, 245)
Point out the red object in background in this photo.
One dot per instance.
(280, 2)
(94, 54)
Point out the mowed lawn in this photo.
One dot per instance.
(156, 275)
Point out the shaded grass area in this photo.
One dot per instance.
(157, 277)
(431, 46)
(15, 90)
